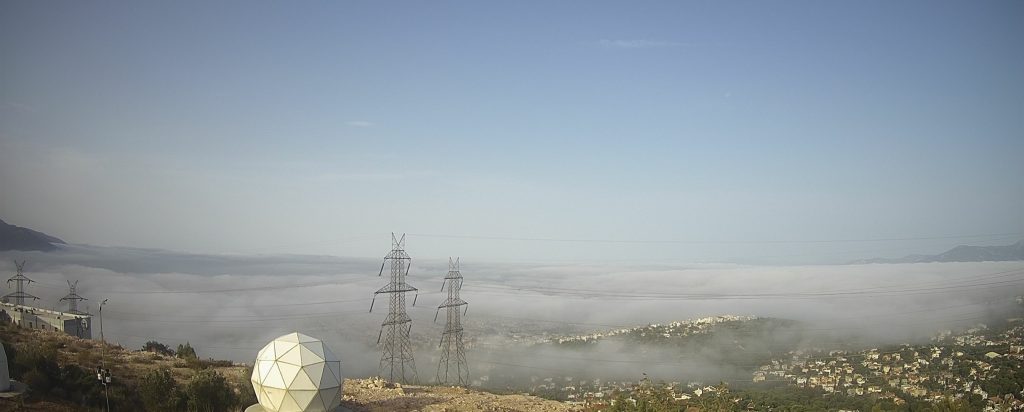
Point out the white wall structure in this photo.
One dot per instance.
(5, 374)
(74, 324)
(297, 373)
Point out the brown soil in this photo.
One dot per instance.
(376, 395)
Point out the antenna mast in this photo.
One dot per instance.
(396, 357)
(73, 299)
(452, 335)
(19, 294)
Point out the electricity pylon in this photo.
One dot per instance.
(19, 294)
(452, 335)
(396, 358)
(73, 298)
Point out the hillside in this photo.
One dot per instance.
(19, 238)
(77, 360)
(725, 340)
(962, 253)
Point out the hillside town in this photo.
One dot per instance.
(670, 330)
(584, 390)
(980, 363)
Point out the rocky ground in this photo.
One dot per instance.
(371, 394)
(377, 395)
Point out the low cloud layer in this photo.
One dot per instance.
(228, 306)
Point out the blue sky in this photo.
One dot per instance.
(320, 127)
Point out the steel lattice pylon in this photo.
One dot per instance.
(73, 299)
(19, 294)
(396, 360)
(452, 335)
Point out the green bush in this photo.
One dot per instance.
(159, 392)
(36, 380)
(645, 397)
(247, 395)
(208, 391)
(186, 352)
(42, 358)
(157, 347)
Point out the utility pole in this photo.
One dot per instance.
(73, 299)
(396, 356)
(452, 335)
(19, 280)
(103, 374)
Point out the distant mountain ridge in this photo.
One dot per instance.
(962, 253)
(19, 238)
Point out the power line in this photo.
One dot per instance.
(546, 290)
(671, 241)
(651, 295)
(176, 307)
(253, 319)
(233, 290)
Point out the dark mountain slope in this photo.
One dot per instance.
(962, 253)
(19, 238)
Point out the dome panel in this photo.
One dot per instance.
(274, 379)
(302, 382)
(303, 398)
(308, 356)
(289, 404)
(318, 404)
(328, 379)
(275, 397)
(335, 368)
(288, 373)
(292, 356)
(315, 372)
(264, 369)
(280, 348)
(261, 396)
(331, 397)
(316, 347)
(328, 354)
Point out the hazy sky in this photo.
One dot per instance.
(319, 127)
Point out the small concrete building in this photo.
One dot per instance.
(74, 324)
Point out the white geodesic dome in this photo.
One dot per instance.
(297, 373)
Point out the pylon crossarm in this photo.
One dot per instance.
(386, 290)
